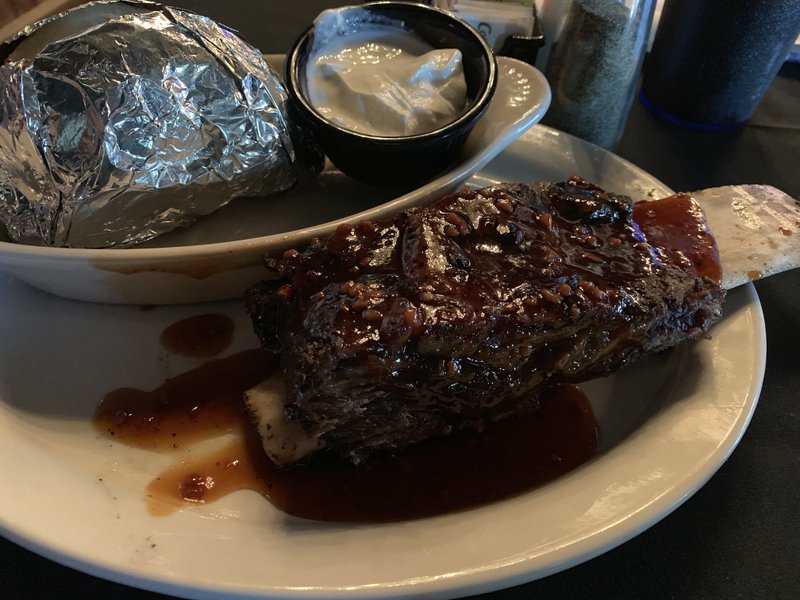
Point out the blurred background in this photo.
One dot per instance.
(15, 14)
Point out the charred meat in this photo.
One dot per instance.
(460, 312)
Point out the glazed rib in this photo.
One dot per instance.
(460, 312)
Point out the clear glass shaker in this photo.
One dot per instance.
(594, 67)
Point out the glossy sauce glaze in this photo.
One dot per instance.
(434, 477)
(541, 257)
(677, 227)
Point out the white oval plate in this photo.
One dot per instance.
(666, 425)
(221, 256)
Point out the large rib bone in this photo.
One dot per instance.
(757, 228)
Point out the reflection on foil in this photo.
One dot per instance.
(130, 119)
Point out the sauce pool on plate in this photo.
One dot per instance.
(442, 475)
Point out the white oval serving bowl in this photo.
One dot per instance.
(220, 256)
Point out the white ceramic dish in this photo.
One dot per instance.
(221, 256)
(667, 424)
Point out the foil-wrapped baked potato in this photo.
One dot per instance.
(120, 121)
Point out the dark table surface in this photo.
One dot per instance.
(739, 536)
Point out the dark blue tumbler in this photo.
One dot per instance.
(712, 60)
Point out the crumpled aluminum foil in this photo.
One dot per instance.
(136, 119)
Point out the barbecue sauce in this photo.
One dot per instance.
(199, 404)
(677, 227)
(442, 475)
(446, 474)
(200, 335)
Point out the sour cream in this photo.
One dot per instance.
(380, 79)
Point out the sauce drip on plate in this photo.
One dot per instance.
(200, 335)
(435, 477)
(199, 404)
